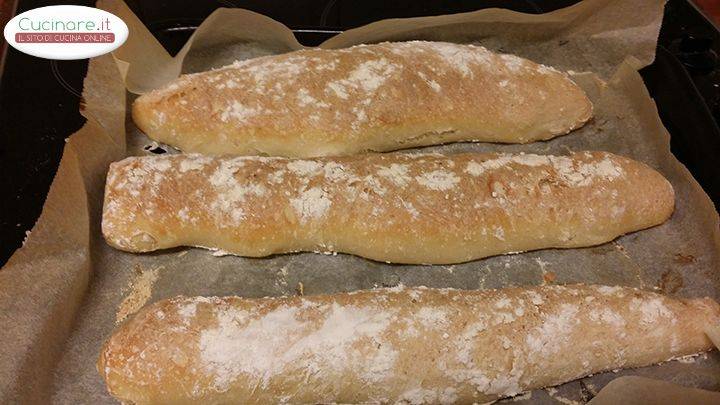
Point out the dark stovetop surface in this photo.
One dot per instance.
(39, 99)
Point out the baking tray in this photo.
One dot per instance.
(69, 370)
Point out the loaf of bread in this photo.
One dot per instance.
(401, 208)
(407, 345)
(320, 102)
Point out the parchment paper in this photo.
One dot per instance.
(60, 294)
(633, 390)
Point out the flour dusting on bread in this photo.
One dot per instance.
(396, 205)
(321, 102)
(411, 344)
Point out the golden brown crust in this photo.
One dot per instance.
(404, 208)
(318, 102)
(411, 345)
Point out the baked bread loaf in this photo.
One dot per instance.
(320, 102)
(407, 345)
(401, 208)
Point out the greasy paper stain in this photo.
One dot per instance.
(671, 281)
(140, 291)
(684, 259)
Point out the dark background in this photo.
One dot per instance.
(40, 99)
